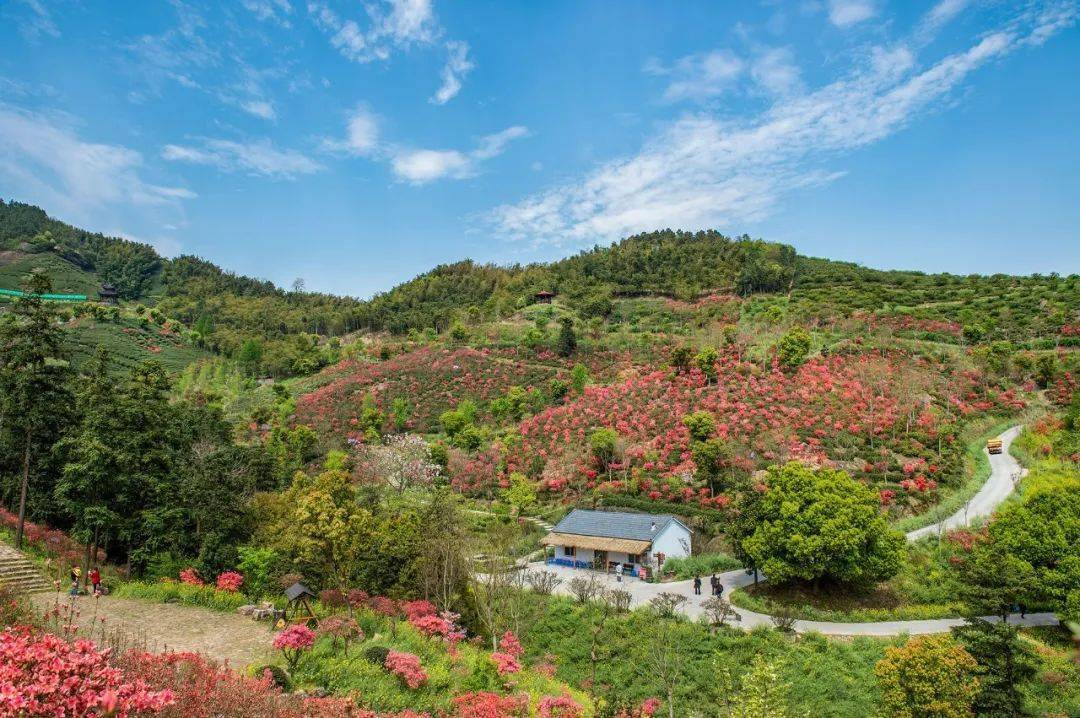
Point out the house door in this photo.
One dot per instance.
(600, 557)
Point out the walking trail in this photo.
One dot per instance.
(1003, 468)
(161, 627)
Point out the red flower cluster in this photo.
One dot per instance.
(560, 707)
(484, 704)
(52, 541)
(407, 667)
(43, 675)
(191, 577)
(230, 581)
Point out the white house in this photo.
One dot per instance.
(601, 539)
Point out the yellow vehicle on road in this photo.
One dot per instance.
(993, 446)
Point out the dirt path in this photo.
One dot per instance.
(163, 626)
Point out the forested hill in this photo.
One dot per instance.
(230, 310)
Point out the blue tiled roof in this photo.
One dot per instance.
(613, 524)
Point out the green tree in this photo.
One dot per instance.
(818, 524)
(1006, 663)
(793, 348)
(993, 582)
(927, 677)
(706, 360)
(681, 356)
(603, 443)
(700, 424)
(250, 356)
(579, 378)
(32, 384)
(521, 494)
(710, 458)
(763, 694)
(87, 487)
(566, 344)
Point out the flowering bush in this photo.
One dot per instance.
(407, 667)
(43, 675)
(341, 627)
(418, 609)
(507, 658)
(230, 581)
(191, 577)
(483, 704)
(559, 707)
(53, 542)
(293, 641)
(203, 689)
(382, 604)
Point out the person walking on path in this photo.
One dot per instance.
(76, 574)
(697, 585)
(618, 572)
(95, 580)
(715, 583)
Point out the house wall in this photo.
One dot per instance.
(673, 541)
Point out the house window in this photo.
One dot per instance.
(569, 551)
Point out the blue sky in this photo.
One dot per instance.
(357, 144)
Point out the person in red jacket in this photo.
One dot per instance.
(95, 579)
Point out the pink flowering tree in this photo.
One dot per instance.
(508, 658)
(293, 641)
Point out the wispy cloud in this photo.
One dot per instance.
(394, 25)
(33, 19)
(457, 66)
(705, 171)
(843, 13)
(258, 157)
(416, 165)
(274, 10)
(53, 166)
(700, 76)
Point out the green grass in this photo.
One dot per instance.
(182, 593)
(66, 277)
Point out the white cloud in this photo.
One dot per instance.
(700, 76)
(259, 157)
(422, 166)
(843, 13)
(704, 171)
(457, 66)
(275, 10)
(46, 162)
(361, 134)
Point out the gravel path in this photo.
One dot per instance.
(165, 626)
(996, 489)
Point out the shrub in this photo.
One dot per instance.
(188, 594)
(407, 667)
(33, 666)
(258, 567)
(230, 581)
(376, 654)
(276, 674)
(700, 565)
(191, 577)
(293, 641)
(927, 676)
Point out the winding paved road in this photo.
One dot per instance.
(996, 489)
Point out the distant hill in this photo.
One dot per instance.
(278, 331)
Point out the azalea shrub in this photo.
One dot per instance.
(293, 641)
(892, 421)
(43, 675)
